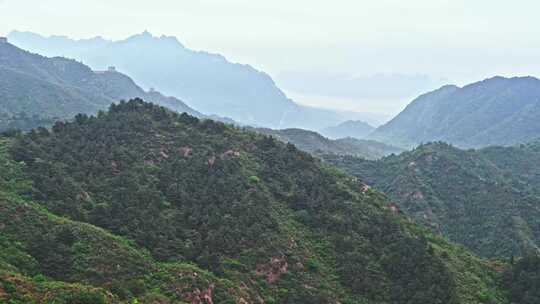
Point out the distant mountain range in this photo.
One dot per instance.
(60, 88)
(317, 144)
(496, 111)
(35, 91)
(350, 128)
(487, 199)
(207, 82)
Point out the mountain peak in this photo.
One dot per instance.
(350, 128)
(515, 78)
(502, 79)
(500, 82)
(494, 111)
(146, 36)
(449, 87)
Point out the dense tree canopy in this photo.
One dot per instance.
(255, 218)
(484, 199)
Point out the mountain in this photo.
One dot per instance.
(350, 128)
(141, 204)
(208, 82)
(484, 199)
(33, 85)
(317, 144)
(496, 111)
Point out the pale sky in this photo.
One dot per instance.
(460, 41)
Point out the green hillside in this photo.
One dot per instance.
(487, 199)
(46, 258)
(142, 203)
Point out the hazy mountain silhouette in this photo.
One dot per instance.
(60, 88)
(350, 128)
(206, 81)
(496, 111)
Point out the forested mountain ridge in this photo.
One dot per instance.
(207, 82)
(317, 144)
(496, 111)
(485, 199)
(261, 221)
(36, 88)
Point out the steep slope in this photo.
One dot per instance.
(50, 259)
(317, 144)
(71, 259)
(208, 82)
(476, 198)
(59, 87)
(350, 128)
(274, 222)
(522, 280)
(520, 163)
(496, 111)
